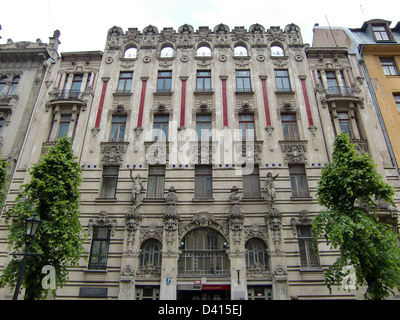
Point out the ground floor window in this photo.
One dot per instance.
(259, 292)
(147, 293)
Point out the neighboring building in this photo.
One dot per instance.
(378, 48)
(24, 68)
(200, 153)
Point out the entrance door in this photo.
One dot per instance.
(203, 294)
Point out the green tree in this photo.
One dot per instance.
(53, 195)
(350, 188)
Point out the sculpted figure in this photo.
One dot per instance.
(136, 189)
(270, 188)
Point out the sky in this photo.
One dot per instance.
(84, 23)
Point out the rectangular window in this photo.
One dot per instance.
(243, 83)
(298, 181)
(99, 250)
(109, 182)
(380, 32)
(63, 128)
(251, 184)
(246, 126)
(289, 126)
(203, 127)
(76, 86)
(332, 83)
(308, 258)
(203, 181)
(345, 123)
(118, 129)
(164, 81)
(282, 80)
(155, 184)
(203, 83)
(160, 127)
(125, 82)
(389, 67)
(397, 101)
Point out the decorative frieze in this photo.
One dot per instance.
(294, 151)
(112, 153)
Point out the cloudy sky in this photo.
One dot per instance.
(84, 23)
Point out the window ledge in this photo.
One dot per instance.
(163, 93)
(301, 198)
(203, 199)
(122, 94)
(106, 199)
(203, 93)
(244, 92)
(291, 92)
(253, 199)
(158, 200)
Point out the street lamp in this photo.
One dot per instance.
(32, 225)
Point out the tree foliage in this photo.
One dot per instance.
(350, 188)
(53, 195)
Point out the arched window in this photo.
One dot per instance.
(203, 253)
(130, 53)
(277, 51)
(256, 254)
(14, 84)
(204, 51)
(240, 51)
(167, 52)
(150, 254)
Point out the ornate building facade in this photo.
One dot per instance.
(23, 67)
(377, 46)
(201, 152)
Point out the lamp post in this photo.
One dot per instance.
(32, 225)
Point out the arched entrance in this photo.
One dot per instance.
(203, 265)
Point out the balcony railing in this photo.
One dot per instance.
(68, 95)
(340, 91)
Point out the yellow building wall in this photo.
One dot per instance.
(384, 87)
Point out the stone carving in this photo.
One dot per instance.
(157, 153)
(185, 37)
(112, 153)
(151, 232)
(255, 231)
(294, 152)
(280, 271)
(102, 221)
(148, 271)
(274, 220)
(202, 153)
(136, 189)
(294, 36)
(257, 271)
(114, 35)
(270, 188)
(302, 220)
(204, 219)
(132, 221)
(127, 271)
(248, 152)
(234, 198)
(221, 36)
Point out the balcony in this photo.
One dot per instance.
(361, 145)
(69, 95)
(339, 91)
